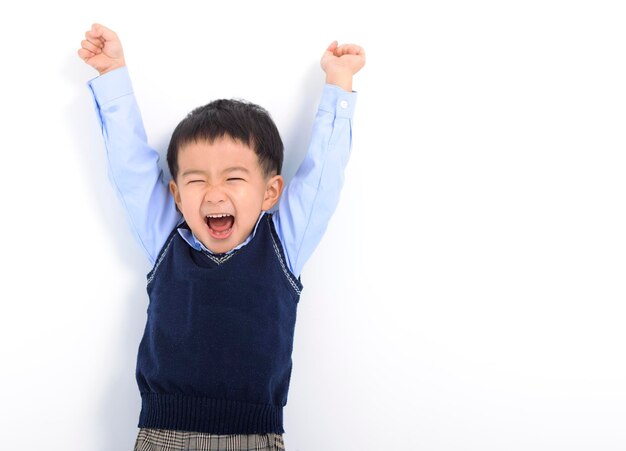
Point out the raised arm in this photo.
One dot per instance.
(133, 166)
(312, 196)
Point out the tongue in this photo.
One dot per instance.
(221, 224)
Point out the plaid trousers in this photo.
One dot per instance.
(168, 440)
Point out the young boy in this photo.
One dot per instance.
(214, 364)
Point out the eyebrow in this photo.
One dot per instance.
(236, 168)
(225, 171)
(192, 172)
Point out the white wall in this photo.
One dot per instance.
(469, 293)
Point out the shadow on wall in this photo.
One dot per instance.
(296, 130)
(117, 411)
(120, 403)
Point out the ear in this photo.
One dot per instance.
(273, 190)
(175, 193)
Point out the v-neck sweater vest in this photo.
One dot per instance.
(216, 352)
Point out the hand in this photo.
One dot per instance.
(341, 62)
(102, 49)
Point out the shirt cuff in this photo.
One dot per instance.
(110, 86)
(337, 101)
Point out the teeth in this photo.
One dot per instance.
(223, 215)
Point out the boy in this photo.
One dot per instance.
(214, 364)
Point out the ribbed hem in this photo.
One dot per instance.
(213, 416)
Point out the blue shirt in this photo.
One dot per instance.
(304, 209)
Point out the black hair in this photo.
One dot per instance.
(240, 120)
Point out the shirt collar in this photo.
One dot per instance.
(191, 239)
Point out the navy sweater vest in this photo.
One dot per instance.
(216, 353)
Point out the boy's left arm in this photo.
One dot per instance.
(311, 197)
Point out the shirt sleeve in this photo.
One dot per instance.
(311, 197)
(133, 166)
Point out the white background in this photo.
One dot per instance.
(469, 293)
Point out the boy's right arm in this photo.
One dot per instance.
(133, 165)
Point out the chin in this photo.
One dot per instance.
(220, 247)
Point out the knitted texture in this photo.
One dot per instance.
(216, 352)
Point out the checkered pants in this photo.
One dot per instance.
(167, 440)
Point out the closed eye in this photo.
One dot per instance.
(194, 181)
(235, 179)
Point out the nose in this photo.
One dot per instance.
(214, 195)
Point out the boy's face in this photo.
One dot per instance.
(221, 190)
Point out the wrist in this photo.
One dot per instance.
(341, 79)
(112, 68)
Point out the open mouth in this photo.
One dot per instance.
(220, 225)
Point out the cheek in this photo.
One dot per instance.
(248, 201)
(189, 198)
(256, 196)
